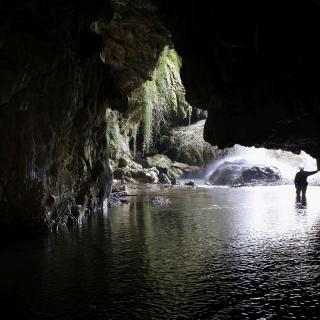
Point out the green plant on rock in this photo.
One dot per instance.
(163, 97)
(149, 95)
(158, 103)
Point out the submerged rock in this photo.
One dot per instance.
(116, 199)
(160, 201)
(242, 172)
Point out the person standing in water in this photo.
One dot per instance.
(300, 181)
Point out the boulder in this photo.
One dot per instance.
(146, 175)
(187, 145)
(162, 162)
(118, 174)
(116, 199)
(122, 162)
(151, 175)
(261, 173)
(179, 169)
(190, 183)
(135, 171)
(172, 169)
(118, 186)
(164, 179)
(174, 182)
(239, 172)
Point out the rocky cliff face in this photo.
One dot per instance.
(62, 64)
(154, 108)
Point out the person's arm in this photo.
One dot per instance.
(310, 173)
(295, 180)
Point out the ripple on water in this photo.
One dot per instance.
(213, 254)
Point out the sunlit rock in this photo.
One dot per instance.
(161, 161)
(243, 172)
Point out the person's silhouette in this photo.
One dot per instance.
(300, 182)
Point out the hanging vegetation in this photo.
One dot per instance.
(154, 108)
(163, 98)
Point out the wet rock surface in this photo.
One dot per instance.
(117, 199)
(160, 201)
(164, 179)
(62, 64)
(242, 172)
(190, 183)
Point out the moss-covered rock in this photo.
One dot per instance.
(62, 64)
(160, 161)
(179, 170)
(154, 107)
(186, 145)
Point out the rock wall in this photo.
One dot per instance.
(155, 107)
(186, 145)
(62, 64)
(257, 77)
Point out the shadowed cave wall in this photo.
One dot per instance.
(62, 63)
(254, 66)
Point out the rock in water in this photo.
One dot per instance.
(190, 183)
(239, 172)
(160, 201)
(261, 173)
(164, 179)
(174, 182)
(116, 199)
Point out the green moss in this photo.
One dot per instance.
(163, 97)
(153, 108)
(150, 92)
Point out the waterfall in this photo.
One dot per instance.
(287, 162)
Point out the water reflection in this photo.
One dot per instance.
(216, 253)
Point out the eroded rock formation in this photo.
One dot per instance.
(62, 63)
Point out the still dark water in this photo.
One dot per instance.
(215, 253)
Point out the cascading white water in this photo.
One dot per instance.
(287, 162)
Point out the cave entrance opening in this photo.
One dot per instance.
(259, 166)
